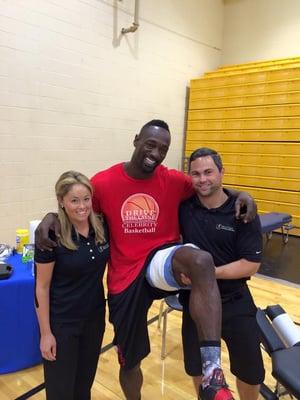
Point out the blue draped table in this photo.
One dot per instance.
(19, 332)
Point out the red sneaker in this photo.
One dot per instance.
(217, 389)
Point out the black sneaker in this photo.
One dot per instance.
(217, 388)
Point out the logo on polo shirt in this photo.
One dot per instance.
(220, 227)
(139, 214)
(103, 247)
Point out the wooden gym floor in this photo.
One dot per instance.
(167, 379)
(281, 261)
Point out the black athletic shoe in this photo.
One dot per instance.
(217, 388)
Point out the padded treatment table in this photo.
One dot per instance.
(19, 332)
(275, 220)
(285, 361)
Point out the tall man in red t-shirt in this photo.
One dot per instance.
(140, 201)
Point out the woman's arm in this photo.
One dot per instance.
(43, 280)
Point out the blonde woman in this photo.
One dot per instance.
(70, 301)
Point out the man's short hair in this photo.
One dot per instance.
(203, 152)
(157, 122)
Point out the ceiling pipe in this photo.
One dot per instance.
(135, 23)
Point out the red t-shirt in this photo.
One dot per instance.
(142, 214)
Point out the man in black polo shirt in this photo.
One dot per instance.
(208, 220)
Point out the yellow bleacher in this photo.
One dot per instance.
(242, 135)
(263, 159)
(249, 100)
(271, 195)
(280, 61)
(250, 113)
(272, 148)
(261, 181)
(249, 77)
(244, 89)
(252, 68)
(259, 111)
(245, 124)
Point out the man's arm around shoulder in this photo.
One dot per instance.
(42, 239)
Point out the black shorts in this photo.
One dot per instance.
(240, 333)
(128, 313)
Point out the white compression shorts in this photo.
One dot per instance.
(159, 272)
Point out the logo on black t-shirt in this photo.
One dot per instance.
(220, 227)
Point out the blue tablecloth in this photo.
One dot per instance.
(19, 333)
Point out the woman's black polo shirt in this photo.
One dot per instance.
(217, 231)
(76, 290)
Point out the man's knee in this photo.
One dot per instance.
(193, 266)
(204, 259)
(189, 257)
(202, 265)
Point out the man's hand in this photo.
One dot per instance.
(245, 207)
(42, 240)
(185, 280)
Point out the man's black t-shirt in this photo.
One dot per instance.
(221, 234)
(76, 290)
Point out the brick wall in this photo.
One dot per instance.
(73, 92)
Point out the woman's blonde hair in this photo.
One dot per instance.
(62, 187)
